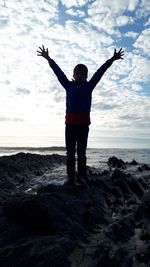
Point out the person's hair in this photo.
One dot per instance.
(81, 67)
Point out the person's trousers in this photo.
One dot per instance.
(76, 140)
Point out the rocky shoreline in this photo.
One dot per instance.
(107, 224)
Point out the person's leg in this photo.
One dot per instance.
(70, 137)
(82, 138)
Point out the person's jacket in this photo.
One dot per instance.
(78, 94)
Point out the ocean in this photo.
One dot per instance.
(95, 156)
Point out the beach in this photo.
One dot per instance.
(45, 222)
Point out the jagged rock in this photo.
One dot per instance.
(116, 163)
(134, 162)
(38, 251)
(26, 163)
(62, 225)
(144, 210)
(145, 167)
(121, 230)
(119, 174)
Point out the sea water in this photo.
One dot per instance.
(95, 156)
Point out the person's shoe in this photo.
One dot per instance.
(82, 181)
(70, 181)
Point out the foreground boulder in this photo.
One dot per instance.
(106, 224)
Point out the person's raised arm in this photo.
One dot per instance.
(99, 73)
(56, 69)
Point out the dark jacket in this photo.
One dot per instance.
(79, 94)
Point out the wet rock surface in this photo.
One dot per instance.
(106, 224)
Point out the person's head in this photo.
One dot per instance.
(80, 72)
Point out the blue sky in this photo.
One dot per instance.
(33, 102)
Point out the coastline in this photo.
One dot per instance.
(94, 155)
(51, 224)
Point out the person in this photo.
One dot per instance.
(78, 106)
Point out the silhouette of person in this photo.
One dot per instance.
(78, 106)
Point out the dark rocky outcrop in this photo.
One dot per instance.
(115, 162)
(106, 224)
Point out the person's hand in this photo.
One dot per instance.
(43, 52)
(118, 55)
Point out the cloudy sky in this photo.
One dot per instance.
(32, 103)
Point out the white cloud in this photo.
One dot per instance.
(144, 8)
(123, 20)
(22, 91)
(108, 17)
(102, 22)
(143, 41)
(72, 3)
(73, 12)
(132, 34)
(10, 119)
(116, 7)
(132, 4)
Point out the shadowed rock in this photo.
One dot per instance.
(104, 225)
(116, 163)
(134, 162)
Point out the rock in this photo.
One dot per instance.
(37, 251)
(121, 230)
(144, 210)
(134, 162)
(104, 225)
(23, 164)
(145, 167)
(116, 163)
